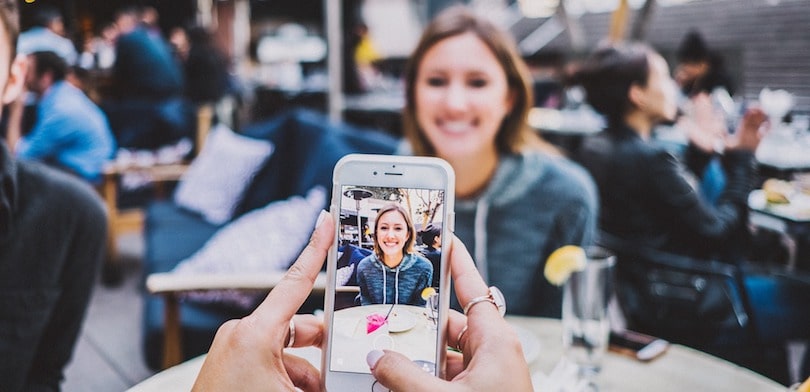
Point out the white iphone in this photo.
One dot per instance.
(388, 279)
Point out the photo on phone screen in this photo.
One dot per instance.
(387, 275)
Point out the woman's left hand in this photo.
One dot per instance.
(248, 354)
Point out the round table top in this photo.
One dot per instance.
(679, 369)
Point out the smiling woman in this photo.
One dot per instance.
(468, 94)
(395, 273)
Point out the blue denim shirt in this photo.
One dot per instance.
(71, 132)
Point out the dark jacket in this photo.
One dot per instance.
(649, 197)
(52, 235)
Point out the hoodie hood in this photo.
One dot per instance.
(402, 284)
(408, 261)
(511, 181)
(8, 190)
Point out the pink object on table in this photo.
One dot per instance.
(374, 321)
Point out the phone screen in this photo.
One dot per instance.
(637, 345)
(387, 275)
(630, 340)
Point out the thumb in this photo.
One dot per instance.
(398, 373)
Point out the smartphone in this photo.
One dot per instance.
(387, 278)
(637, 345)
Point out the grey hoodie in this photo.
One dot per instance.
(402, 285)
(533, 205)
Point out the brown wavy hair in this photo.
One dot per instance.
(515, 134)
(408, 248)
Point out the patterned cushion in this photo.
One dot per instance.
(214, 183)
(265, 240)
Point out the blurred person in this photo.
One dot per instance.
(70, 131)
(99, 51)
(630, 85)
(431, 237)
(178, 38)
(649, 197)
(468, 93)
(147, 109)
(394, 273)
(248, 354)
(52, 235)
(149, 20)
(47, 34)
(205, 68)
(699, 69)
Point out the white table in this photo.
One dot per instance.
(680, 369)
(408, 332)
(790, 220)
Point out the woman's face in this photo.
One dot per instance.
(659, 98)
(391, 232)
(461, 97)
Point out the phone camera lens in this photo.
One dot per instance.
(394, 166)
(375, 173)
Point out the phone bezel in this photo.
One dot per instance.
(387, 171)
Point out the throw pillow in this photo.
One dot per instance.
(214, 183)
(264, 240)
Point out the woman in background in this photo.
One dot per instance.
(468, 94)
(649, 198)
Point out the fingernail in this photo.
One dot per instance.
(321, 217)
(373, 357)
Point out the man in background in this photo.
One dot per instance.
(147, 109)
(70, 131)
(48, 34)
(52, 235)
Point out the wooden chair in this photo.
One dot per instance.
(171, 286)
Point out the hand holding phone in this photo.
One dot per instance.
(248, 354)
(491, 359)
(387, 285)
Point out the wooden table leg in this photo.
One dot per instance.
(172, 343)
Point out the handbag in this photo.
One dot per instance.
(684, 299)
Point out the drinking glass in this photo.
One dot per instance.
(432, 308)
(585, 313)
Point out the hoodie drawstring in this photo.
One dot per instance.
(385, 284)
(480, 233)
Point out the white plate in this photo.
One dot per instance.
(401, 320)
(530, 343)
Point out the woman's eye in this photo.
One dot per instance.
(478, 83)
(436, 82)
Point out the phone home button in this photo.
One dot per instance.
(377, 387)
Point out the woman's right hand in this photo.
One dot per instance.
(492, 356)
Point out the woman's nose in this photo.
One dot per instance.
(456, 97)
